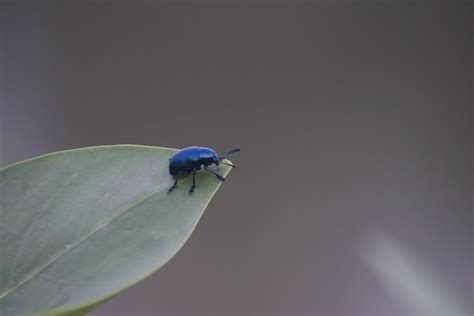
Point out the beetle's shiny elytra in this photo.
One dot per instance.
(192, 159)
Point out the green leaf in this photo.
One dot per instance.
(79, 226)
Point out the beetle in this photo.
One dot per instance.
(192, 159)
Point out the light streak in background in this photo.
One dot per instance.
(411, 281)
(31, 83)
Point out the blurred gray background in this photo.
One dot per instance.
(353, 193)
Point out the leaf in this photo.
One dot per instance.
(79, 226)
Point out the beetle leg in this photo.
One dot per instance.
(191, 189)
(215, 173)
(174, 185)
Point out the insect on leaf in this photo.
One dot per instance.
(79, 226)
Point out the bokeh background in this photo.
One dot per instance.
(353, 193)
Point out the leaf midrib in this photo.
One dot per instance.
(60, 253)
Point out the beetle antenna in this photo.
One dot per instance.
(235, 150)
(229, 164)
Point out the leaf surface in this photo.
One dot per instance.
(79, 226)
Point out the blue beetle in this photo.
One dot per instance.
(192, 159)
